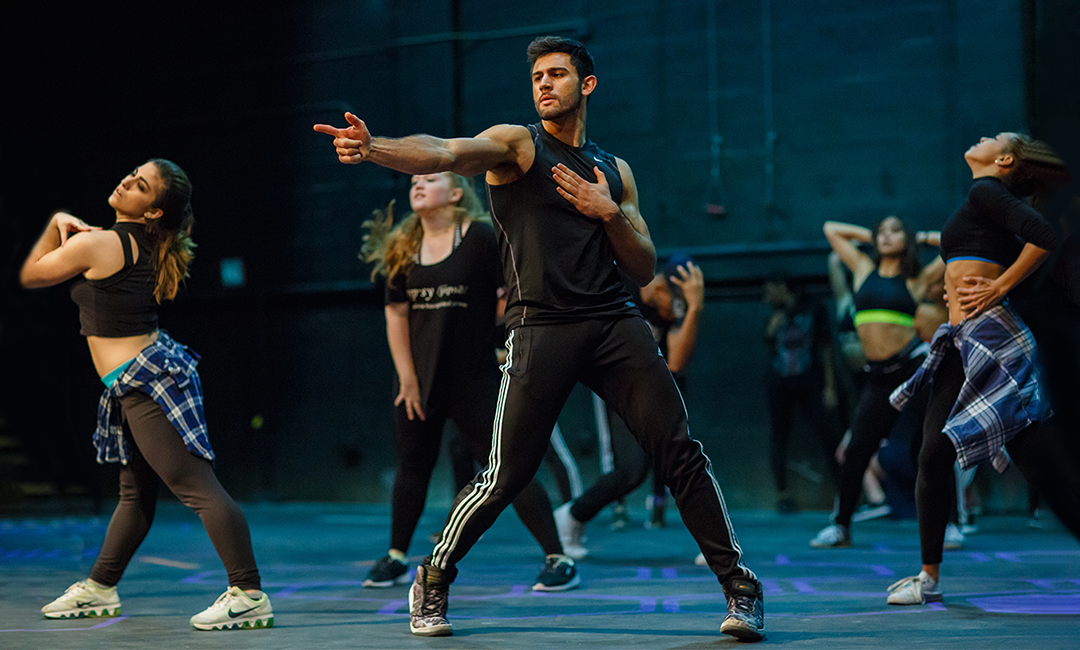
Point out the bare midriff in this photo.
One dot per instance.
(109, 353)
(956, 271)
(881, 341)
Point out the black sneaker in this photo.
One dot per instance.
(745, 610)
(559, 574)
(428, 601)
(387, 572)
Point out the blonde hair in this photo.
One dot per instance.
(171, 233)
(395, 249)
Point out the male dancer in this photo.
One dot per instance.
(565, 213)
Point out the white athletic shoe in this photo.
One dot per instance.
(954, 538)
(700, 560)
(570, 532)
(235, 610)
(82, 600)
(915, 590)
(833, 536)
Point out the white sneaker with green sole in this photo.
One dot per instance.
(84, 599)
(235, 610)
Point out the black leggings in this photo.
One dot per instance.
(619, 361)
(631, 466)
(785, 394)
(418, 443)
(158, 454)
(873, 421)
(1033, 451)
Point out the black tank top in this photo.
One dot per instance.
(122, 304)
(884, 300)
(558, 263)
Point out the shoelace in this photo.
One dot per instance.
(434, 600)
(901, 584)
(745, 604)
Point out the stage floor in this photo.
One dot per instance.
(1010, 586)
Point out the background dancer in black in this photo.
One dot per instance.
(565, 211)
(888, 288)
(441, 304)
(800, 374)
(150, 418)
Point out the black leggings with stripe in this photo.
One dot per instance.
(618, 360)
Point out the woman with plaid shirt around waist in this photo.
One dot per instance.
(150, 418)
(985, 398)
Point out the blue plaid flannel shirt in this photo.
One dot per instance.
(164, 370)
(1000, 395)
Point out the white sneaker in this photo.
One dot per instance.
(700, 560)
(570, 532)
(916, 590)
(954, 539)
(84, 599)
(235, 610)
(834, 536)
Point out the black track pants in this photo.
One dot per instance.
(619, 360)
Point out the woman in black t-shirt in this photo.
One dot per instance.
(444, 278)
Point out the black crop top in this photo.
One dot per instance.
(992, 225)
(122, 304)
(884, 300)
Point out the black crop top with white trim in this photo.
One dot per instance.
(992, 225)
(122, 304)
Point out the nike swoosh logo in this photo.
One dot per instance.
(78, 604)
(233, 614)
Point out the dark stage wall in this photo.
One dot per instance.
(779, 114)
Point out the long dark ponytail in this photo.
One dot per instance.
(1038, 170)
(171, 233)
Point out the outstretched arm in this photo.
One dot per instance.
(626, 230)
(500, 147)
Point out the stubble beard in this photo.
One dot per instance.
(558, 111)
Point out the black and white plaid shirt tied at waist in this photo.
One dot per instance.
(1000, 395)
(164, 370)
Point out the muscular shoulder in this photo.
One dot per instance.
(519, 144)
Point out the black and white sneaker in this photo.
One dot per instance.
(559, 574)
(746, 610)
(428, 600)
(387, 572)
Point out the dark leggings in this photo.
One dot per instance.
(1033, 452)
(619, 361)
(471, 408)
(785, 394)
(159, 455)
(631, 467)
(873, 421)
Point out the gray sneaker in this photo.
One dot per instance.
(746, 610)
(428, 598)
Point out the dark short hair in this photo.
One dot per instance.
(579, 55)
